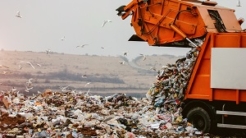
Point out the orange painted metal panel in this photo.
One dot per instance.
(228, 40)
(199, 85)
(243, 40)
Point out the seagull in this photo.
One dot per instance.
(87, 83)
(28, 89)
(84, 76)
(87, 93)
(64, 89)
(30, 80)
(63, 38)
(144, 57)
(239, 3)
(125, 53)
(18, 14)
(30, 64)
(82, 45)
(48, 51)
(13, 89)
(102, 47)
(122, 62)
(153, 68)
(106, 21)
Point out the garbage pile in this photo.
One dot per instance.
(77, 114)
(167, 93)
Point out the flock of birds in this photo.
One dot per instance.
(109, 21)
(29, 87)
(28, 84)
(48, 51)
(18, 15)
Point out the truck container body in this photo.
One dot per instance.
(217, 84)
(201, 84)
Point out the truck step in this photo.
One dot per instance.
(231, 113)
(231, 126)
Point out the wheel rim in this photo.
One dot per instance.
(199, 122)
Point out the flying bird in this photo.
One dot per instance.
(125, 53)
(48, 51)
(105, 22)
(64, 89)
(87, 93)
(102, 47)
(29, 82)
(28, 89)
(144, 57)
(87, 83)
(13, 89)
(122, 62)
(238, 3)
(39, 65)
(18, 14)
(153, 68)
(30, 64)
(82, 45)
(84, 76)
(63, 38)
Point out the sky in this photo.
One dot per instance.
(45, 22)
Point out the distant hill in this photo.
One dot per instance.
(54, 70)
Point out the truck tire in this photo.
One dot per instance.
(200, 119)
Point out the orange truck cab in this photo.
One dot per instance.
(215, 95)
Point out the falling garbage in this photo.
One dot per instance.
(76, 114)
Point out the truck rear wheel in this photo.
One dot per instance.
(200, 119)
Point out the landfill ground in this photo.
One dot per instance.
(79, 110)
(78, 115)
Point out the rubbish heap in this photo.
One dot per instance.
(167, 93)
(78, 115)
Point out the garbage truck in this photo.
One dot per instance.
(215, 95)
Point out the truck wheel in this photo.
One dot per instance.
(200, 119)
